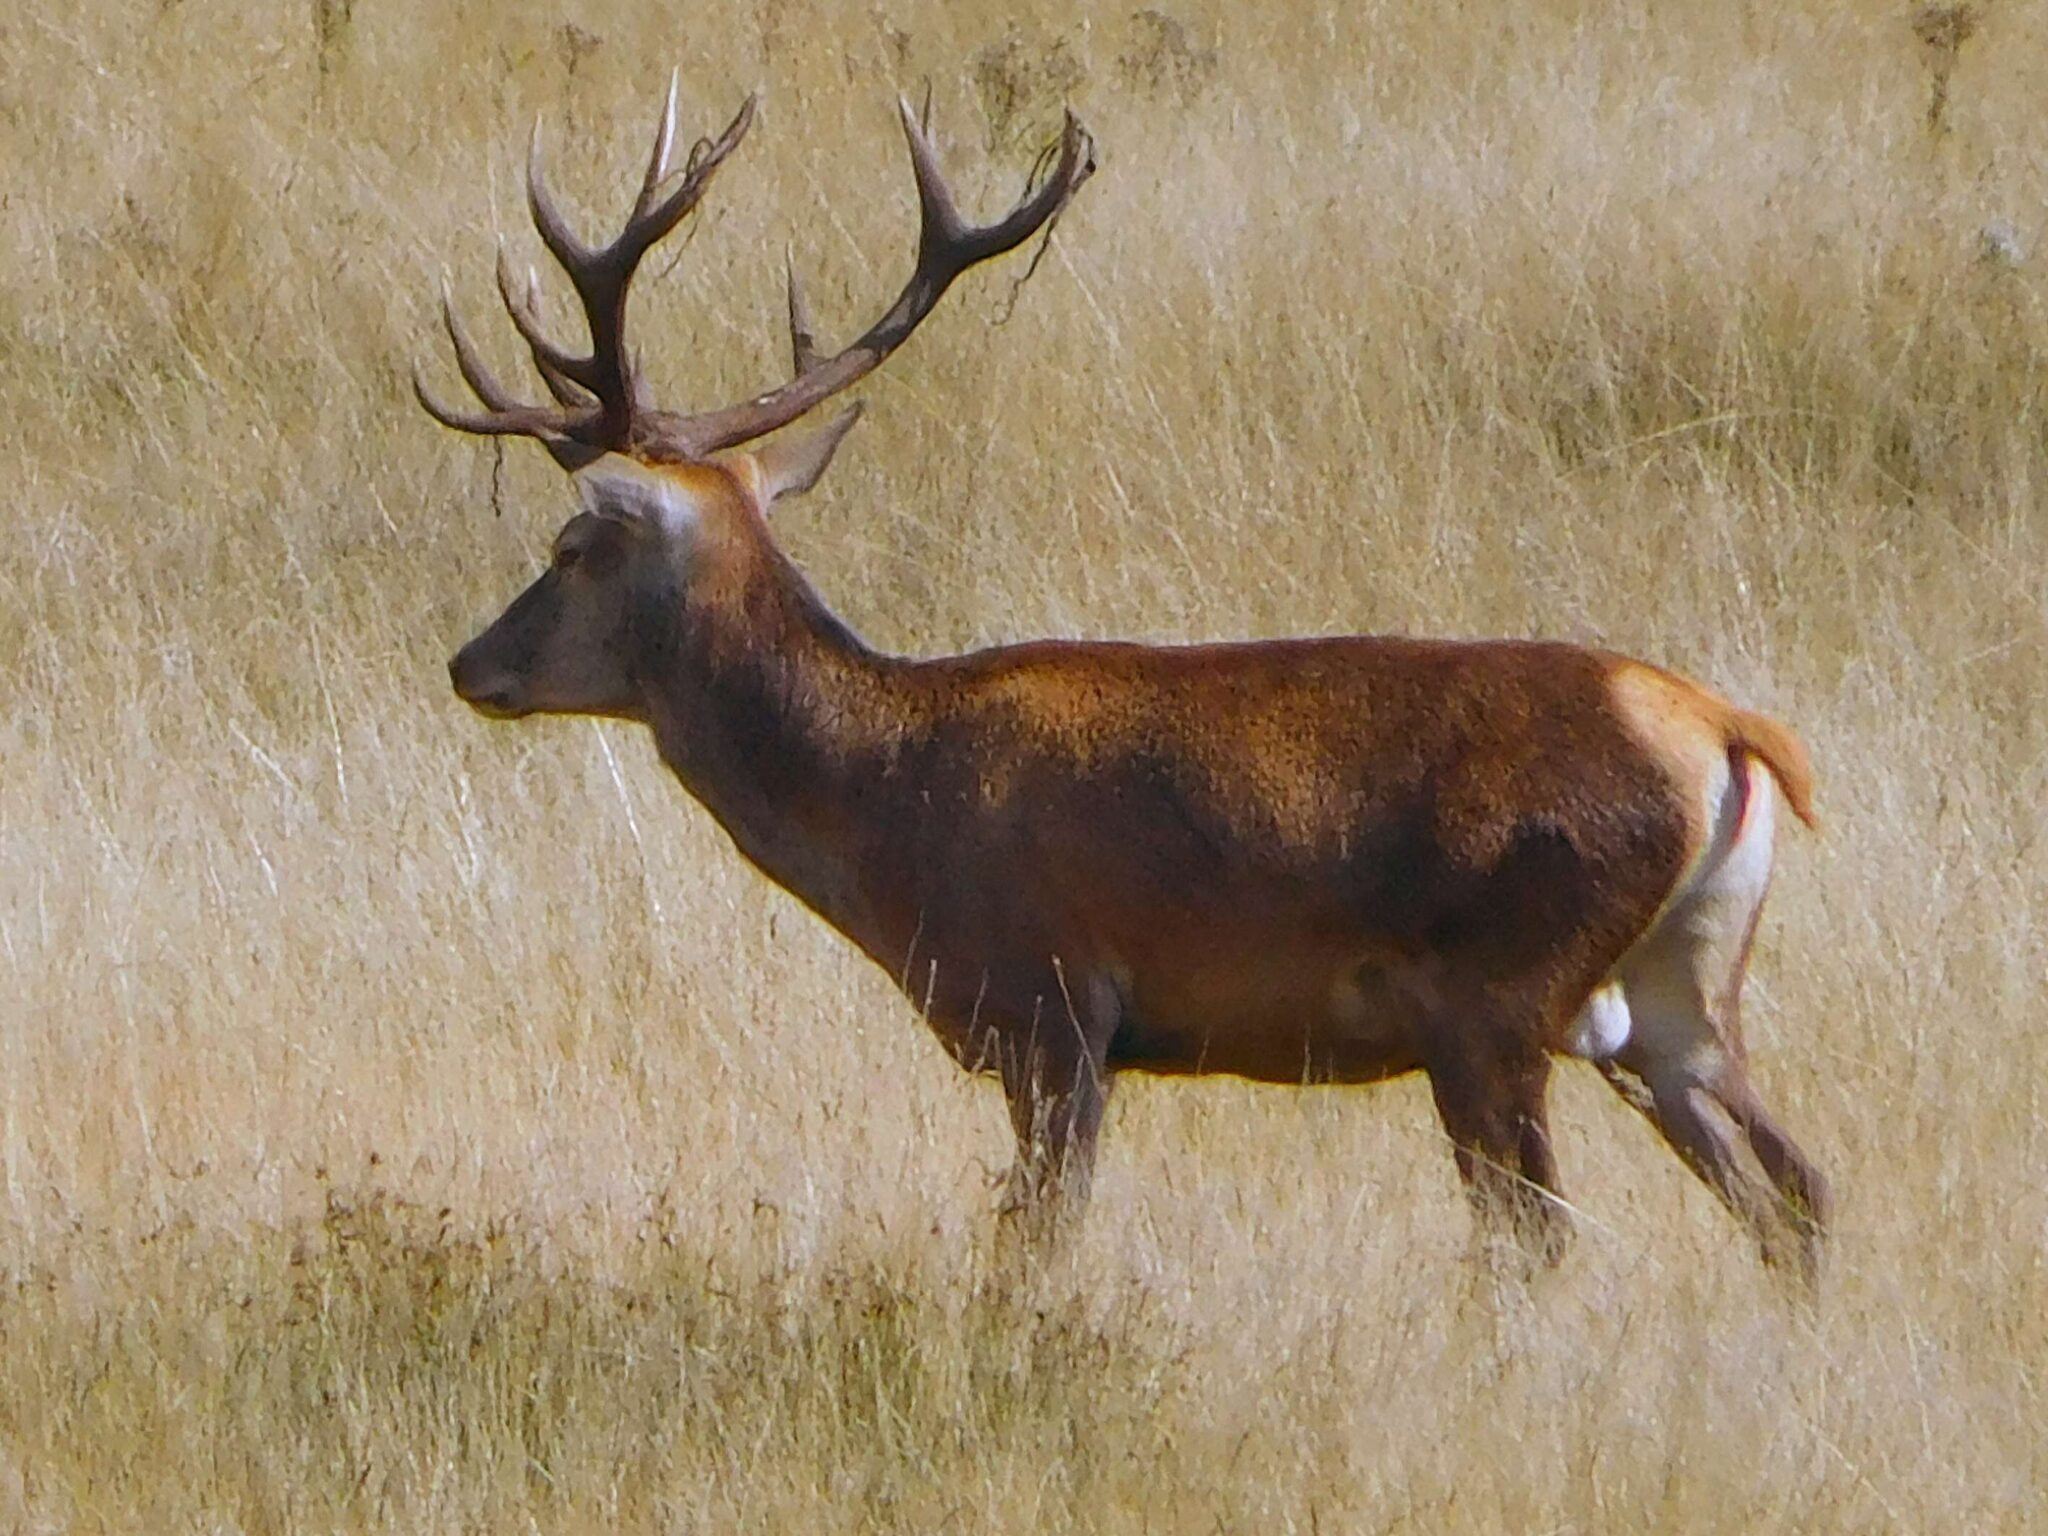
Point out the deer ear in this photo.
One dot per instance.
(794, 462)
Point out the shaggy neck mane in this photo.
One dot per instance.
(781, 721)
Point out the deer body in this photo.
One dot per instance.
(1330, 860)
(1252, 846)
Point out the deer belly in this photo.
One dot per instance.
(1289, 1018)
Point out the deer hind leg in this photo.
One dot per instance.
(1688, 1109)
(1683, 1067)
(1705, 1112)
(1490, 1086)
(1806, 1202)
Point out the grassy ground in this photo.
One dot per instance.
(408, 1124)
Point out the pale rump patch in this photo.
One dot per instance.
(1659, 992)
(1744, 872)
(1659, 1002)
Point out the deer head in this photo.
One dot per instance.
(667, 496)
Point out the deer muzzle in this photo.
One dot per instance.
(485, 687)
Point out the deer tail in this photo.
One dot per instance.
(1780, 751)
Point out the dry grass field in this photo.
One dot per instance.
(411, 1124)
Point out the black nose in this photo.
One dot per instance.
(482, 689)
(468, 679)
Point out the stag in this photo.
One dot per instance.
(1295, 861)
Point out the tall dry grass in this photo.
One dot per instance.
(407, 1124)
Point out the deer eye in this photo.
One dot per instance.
(567, 556)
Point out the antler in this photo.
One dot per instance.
(601, 401)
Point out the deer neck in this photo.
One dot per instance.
(781, 722)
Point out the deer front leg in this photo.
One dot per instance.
(1056, 1079)
(1489, 1083)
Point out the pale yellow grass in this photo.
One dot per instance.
(410, 1124)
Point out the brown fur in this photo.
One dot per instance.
(1296, 861)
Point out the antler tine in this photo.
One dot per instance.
(556, 365)
(649, 220)
(567, 392)
(543, 425)
(664, 141)
(803, 341)
(447, 415)
(947, 245)
(939, 219)
(650, 223)
(968, 244)
(562, 243)
(475, 372)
